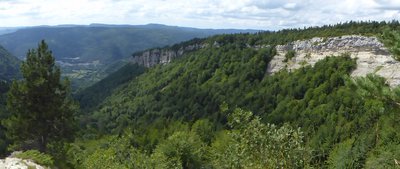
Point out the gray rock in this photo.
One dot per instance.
(154, 57)
(372, 56)
(16, 163)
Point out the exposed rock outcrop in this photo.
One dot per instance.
(16, 163)
(348, 43)
(153, 57)
(372, 56)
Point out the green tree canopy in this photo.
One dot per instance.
(41, 110)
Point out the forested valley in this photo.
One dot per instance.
(215, 107)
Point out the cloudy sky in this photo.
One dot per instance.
(253, 14)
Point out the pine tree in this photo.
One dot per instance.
(40, 105)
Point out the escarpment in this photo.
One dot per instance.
(371, 55)
(156, 56)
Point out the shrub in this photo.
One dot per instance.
(289, 55)
(37, 157)
(252, 144)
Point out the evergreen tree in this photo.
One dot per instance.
(40, 107)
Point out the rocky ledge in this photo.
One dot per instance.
(349, 43)
(16, 163)
(154, 57)
(372, 56)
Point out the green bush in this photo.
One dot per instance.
(37, 157)
(103, 159)
(391, 40)
(289, 55)
(253, 144)
(181, 150)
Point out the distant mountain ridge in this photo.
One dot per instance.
(20, 39)
(6, 30)
(85, 51)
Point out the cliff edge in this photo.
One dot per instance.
(371, 55)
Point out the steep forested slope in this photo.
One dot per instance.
(9, 70)
(184, 113)
(237, 62)
(95, 94)
(9, 65)
(345, 123)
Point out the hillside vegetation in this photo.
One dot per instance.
(92, 96)
(9, 65)
(217, 107)
(341, 126)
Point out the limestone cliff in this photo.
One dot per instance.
(153, 57)
(372, 56)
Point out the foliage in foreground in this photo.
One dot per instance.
(340, 120)
(366, 140)
(253, 144)
(37, 157)
(391, 39)
(248, 144)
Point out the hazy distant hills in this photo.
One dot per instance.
(99, 41)
(6, 30)
(8, 65)
(85, 51)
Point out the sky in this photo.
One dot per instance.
(240, 14)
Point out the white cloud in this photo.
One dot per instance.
(256, 14)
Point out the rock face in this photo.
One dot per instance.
(153, 57)
(16, 163)
(372, 56)
(348, 43)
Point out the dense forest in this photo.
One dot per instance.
(95, 94)
(217, 107)
(8, 65)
